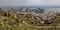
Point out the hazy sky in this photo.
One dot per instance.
(29, 2)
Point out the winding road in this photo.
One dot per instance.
(37, 26)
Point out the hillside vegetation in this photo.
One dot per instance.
(15, 21)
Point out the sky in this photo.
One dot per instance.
(29, 2)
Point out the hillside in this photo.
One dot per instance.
(18, 21)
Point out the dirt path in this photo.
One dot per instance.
(38, 26)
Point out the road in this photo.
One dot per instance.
(37, 26)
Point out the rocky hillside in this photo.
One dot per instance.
(18, 21)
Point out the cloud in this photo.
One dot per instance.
(52, 2)
(34, 2)
(21, 2)
(29, 2)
